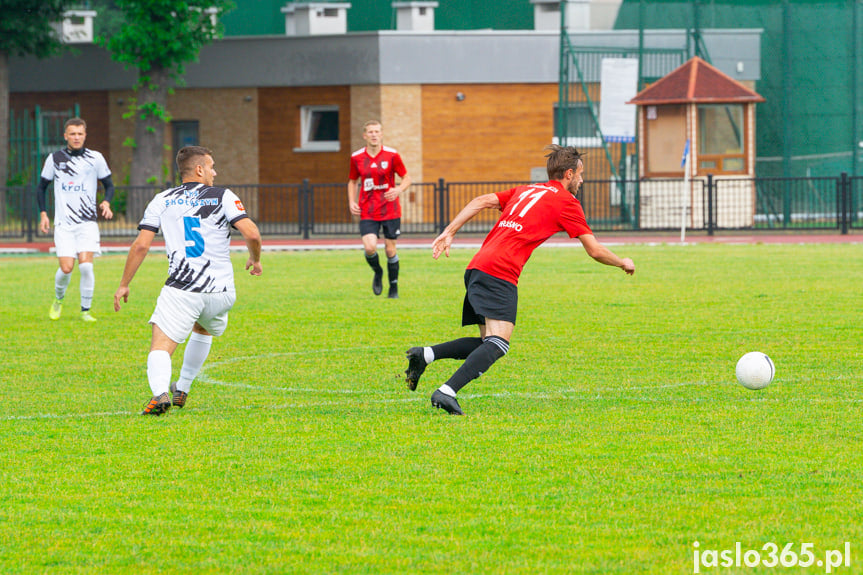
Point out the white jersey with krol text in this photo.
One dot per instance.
(76, 178)
(196, 220)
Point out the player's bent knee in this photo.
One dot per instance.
(498, 346)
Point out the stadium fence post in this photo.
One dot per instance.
(844, 185)
(441, 193)
(710, 206)
(29, 210)
(305, 194)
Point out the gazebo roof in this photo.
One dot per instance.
(696, 81)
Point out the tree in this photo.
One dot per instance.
(158, 38)
(25, 29)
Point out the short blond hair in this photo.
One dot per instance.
(76, 121)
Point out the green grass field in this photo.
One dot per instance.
(610, 439)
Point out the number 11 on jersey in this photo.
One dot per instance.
(534, 196)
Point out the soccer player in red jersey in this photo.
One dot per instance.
(530, 215)
(374, 196)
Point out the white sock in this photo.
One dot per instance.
(88, 282)
(428, 354)
(61, 282)
(197, 350)
(159, 371)
(447, 390)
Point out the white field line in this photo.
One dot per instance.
(582, 397)
(585, 395)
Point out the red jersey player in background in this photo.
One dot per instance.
(530, 215)
(374, 196)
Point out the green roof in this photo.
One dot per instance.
(263, 17)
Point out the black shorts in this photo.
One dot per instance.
(391, 228)
(488, 297)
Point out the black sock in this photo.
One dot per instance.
(374, 263)
(477, 363)
(457, 348)
(393, 269)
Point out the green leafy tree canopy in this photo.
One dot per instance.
(158, 37)
(25, 26)
(164, 34)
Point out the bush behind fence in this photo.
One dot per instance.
(710, 204)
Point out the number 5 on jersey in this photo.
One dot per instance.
(192, 228)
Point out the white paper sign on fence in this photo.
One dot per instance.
(619, 84)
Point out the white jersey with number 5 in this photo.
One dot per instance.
(196, 220)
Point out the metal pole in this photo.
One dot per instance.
(856, 132)
(786, 110)
(710, 204)
(29, 209)
(305, 192)
(37, 114)
(563, 81)
(441, 206)
(638, 118)
(696, 29)
(844, 185)
(684, 198)
(621, 184)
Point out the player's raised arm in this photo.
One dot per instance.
(442, 243)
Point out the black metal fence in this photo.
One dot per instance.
(704, 204)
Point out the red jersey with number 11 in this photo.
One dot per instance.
(376, 175)
(531, 215)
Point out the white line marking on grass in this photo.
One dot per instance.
(605, 394)
(204, 378)
(209, 380)
(663, 386)
(288, 354)
(571, 395)
(67, 415)
(311, 404)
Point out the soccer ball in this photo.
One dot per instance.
(755, 370)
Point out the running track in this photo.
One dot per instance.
(610, 239)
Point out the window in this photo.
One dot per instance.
(319, 129)
(581, 128)
(183, 133)
(721, 130)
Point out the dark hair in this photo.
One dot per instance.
(74, 122)
(188, 158)
(561, 159)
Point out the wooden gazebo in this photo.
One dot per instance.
(716, 115)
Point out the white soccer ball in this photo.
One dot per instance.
(755, 370)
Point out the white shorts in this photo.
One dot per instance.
(177, 311)
(69, 241)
